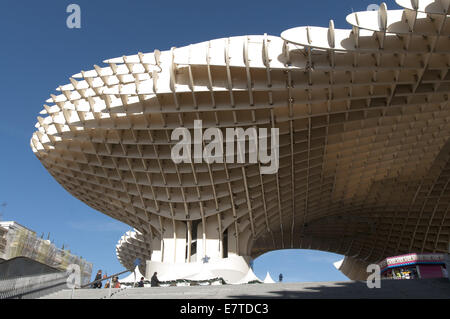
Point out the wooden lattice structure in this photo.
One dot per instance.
(364, 128)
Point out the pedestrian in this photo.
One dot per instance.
(280, 278)
(141, 283)
(98, 277)
(115, 282)
(154, 281)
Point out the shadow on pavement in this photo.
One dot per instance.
(390, 289)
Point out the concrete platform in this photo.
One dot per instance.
(408, 289)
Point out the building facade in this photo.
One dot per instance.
(3, 233)
(20, 241)
(364, 152)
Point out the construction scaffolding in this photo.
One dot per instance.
(21, 241)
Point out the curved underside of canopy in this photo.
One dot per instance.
(363, 116)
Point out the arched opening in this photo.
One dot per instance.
(299, 265)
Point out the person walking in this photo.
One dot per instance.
(280, 278)
(154, 281)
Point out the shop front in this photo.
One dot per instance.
(414, 266)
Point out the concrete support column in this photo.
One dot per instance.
(245, 239)
(354, 269)
(174, 242)
(232, 242)
(156, 250)
(208, 239)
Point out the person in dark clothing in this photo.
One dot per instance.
(154, 281)
(280, 277)
(98, 277)
(141, 283)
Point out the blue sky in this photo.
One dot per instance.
(38, 53)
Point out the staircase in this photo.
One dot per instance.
(392, 289)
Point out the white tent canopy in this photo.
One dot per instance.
(338, 264)
(248, 278)
(268, 279)
(131, 277)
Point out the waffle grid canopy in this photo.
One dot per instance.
(364, 146)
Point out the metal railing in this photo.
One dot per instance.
(29, 287)
(89, 285)
(106, 278)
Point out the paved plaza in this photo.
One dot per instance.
(390, 289)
